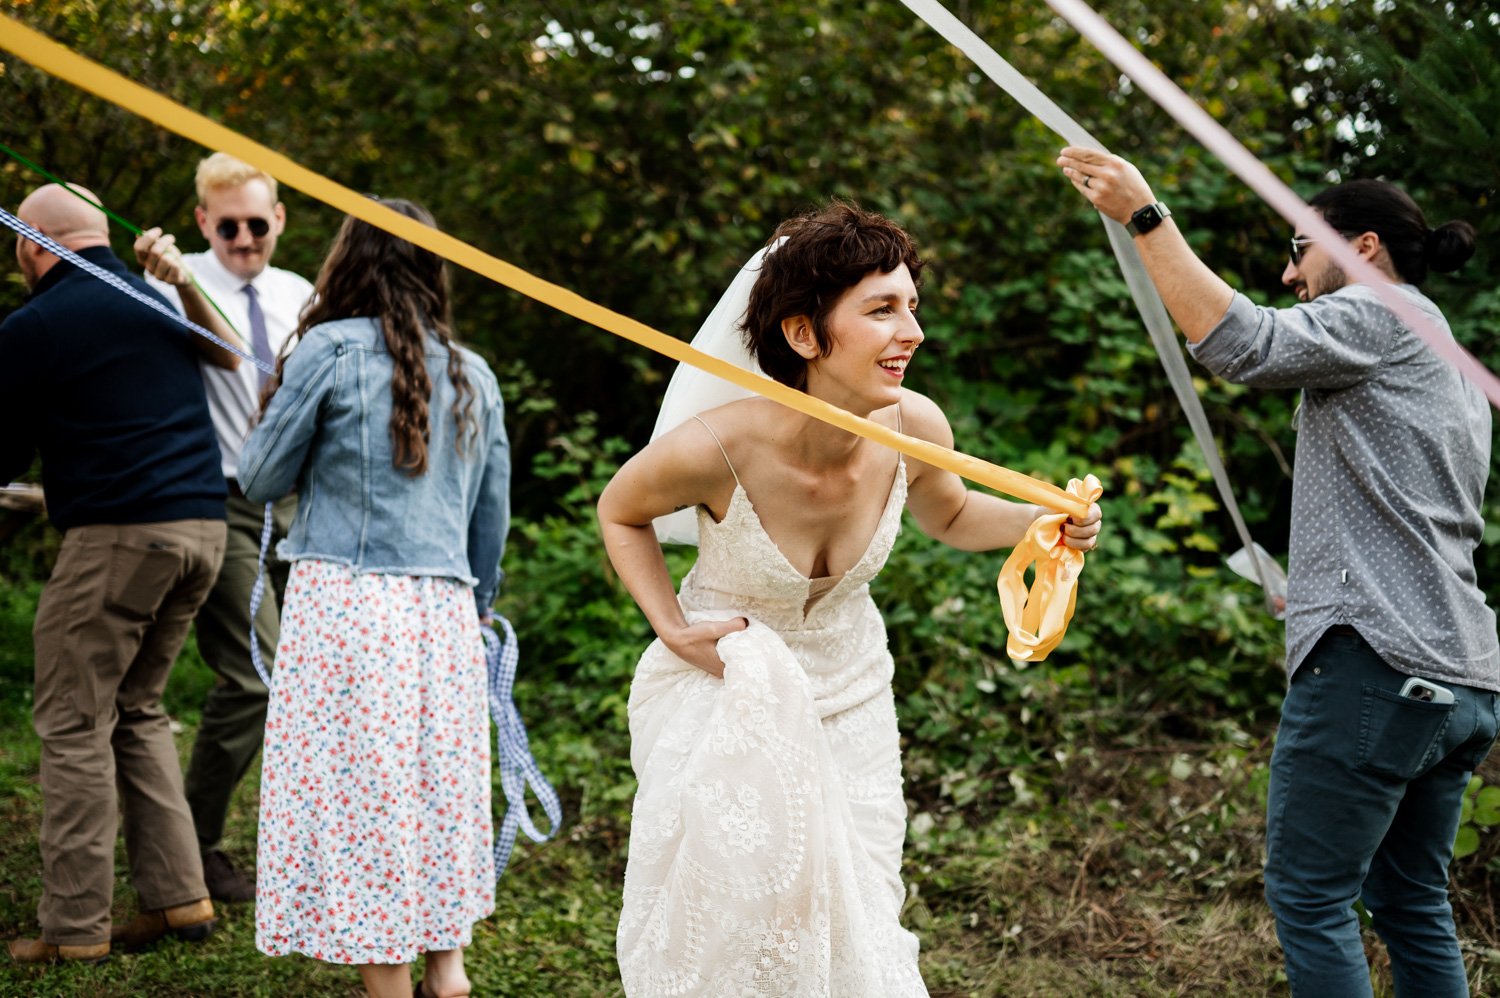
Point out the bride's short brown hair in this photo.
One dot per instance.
(826, 252)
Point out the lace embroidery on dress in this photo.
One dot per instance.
(765, 844)
(817, 586)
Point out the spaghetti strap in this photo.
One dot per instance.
(900, 458)
(711, 433)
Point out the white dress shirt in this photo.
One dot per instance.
(234, 396)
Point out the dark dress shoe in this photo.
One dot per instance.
(190, 922)
(37, 951)
(224, 882)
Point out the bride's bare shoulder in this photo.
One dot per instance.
(921, 417)
(743, 418)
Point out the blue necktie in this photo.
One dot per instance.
(260, 343)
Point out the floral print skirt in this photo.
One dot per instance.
(375, 822)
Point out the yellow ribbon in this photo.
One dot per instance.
(1037, 620)
(84, 73)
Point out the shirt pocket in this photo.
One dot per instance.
(1399, 736)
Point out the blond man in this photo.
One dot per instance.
(240, 217)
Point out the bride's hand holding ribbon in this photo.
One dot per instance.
(1083, 535)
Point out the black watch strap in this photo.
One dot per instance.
(1147, 218)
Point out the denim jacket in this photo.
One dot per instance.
(327, 431)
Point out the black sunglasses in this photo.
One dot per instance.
(230, 227)
(1299, 242)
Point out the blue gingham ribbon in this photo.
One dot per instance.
(119, 284)
(257, 593)
(517, 767)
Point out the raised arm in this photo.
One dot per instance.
(677, 471)
(1196, 297)
(274, 453)
(947, 510)
(161, 258)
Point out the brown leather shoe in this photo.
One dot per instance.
(37, 951)
(190, 922)
(224, 882)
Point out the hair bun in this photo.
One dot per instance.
(1449, 245)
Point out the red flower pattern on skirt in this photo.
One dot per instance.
(375, 823)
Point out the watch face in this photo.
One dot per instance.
(1147, 218)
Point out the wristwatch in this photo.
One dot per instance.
(1147, 218)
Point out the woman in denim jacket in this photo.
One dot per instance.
(375, 829)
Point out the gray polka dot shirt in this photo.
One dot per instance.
(1393, 449)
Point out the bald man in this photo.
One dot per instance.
(107, 391)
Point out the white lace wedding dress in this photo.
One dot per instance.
(765, 841)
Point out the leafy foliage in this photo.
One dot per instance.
(639, 153)
(1481, 810)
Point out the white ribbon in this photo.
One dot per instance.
(1243, 164)
(1147, 301)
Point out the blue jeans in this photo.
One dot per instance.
(1366, 789)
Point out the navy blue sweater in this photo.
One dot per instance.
(109, 392)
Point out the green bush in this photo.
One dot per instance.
(1163, 645)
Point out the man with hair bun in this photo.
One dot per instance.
(241, 219)
(1392, 659)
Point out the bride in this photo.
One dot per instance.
(766, 835)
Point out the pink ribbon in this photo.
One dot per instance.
(1262, 181)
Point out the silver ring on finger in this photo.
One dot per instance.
(1087, 179)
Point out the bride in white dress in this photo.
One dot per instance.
(766, 836)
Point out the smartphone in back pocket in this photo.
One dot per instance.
(1425, 690)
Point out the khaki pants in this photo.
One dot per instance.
(234, 713)
(109, 626)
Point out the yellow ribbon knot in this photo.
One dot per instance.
(1038, 619)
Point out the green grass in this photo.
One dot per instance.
(1135, 872)
(1012, 906)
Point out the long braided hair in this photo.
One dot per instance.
(371, 273)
